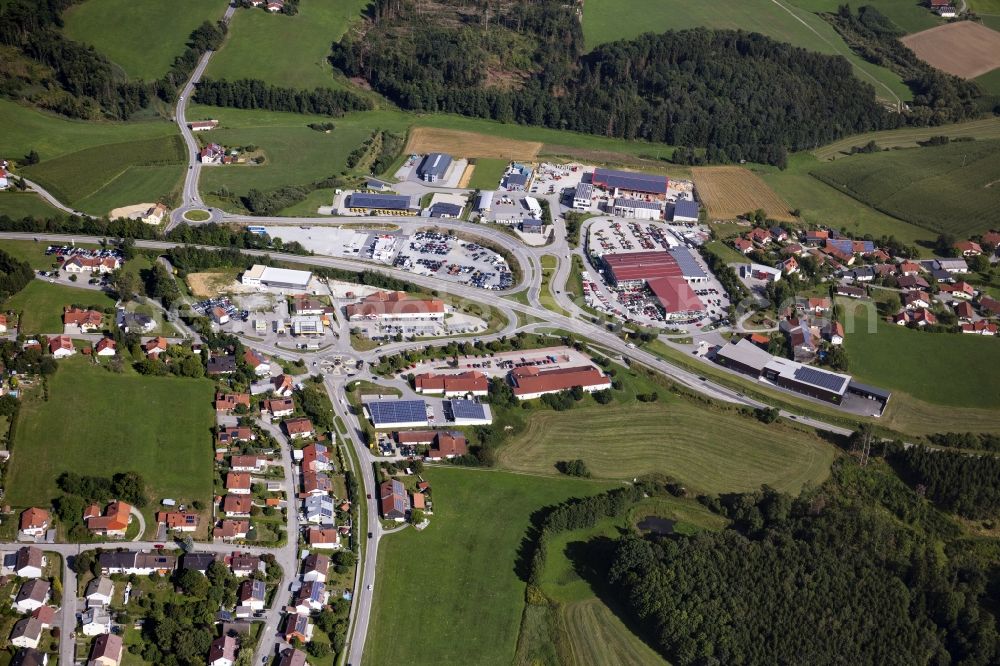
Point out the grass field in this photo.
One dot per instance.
(487, 174)
(41, 304)
(731, 191)
(675, 437)
(987, 128)
(101, 178)
(53, 136)
(610, 20)
(32, 252)
(945, 188)
(725, 252)
(819, 203)
(457, 579)
(908, 15)
(97, 422)
(947, 369)
(469, 144)
(121, 30)
(288, 51)
(26, 204)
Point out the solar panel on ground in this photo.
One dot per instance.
(466, 409)
(397, 411)
(824, 380)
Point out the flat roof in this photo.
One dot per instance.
(285, 276)
(868, 389)
(623, 202)
(745, 353)
(466, 409)
(804, 374)
(397, 411)
(631, 180)
(388, 201)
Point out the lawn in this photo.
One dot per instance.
(457, 580)
(53, 135)
(947, 369)
(33, 253)
(487, 174)
(288, 51)
(725, 252)
(711, 451)
(821, 204)
(943, 188)
(104, 177)
(18, 205)
(41, 304)
(610, 20)
(121, 30)
(97, 422)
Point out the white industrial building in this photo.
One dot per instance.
(636, 208)
(278, 278)
(582, 196)
(485, 202)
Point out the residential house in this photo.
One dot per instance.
(32, 657)
(393, 500)
(861, 274)
(448, 445)
(231, 530)
(816, 237)
(251, 596)
(46, 615)
(178, 521)
(238, 483)
(198, 561)
(260, 366)
(918, 317)
(34, 522)
(99, 591)
(282, 386)
(213, 153)
(980, 327)
(315, 458)
(135, 322)
(222, 652)
(911, 282)
(278, 408)
(297, 626)
(417, 501)
(319, 510)
(964, 311)
(219, 315)
(27, 633)
(325, 538)
(742, 245)
(299, 428)
(759, 236)
(33, 594)
(86, 320)
(237, 506)
(231, 434)
(245, 564)
(960, 290)
(106, 347)
(817, 305)
(96, 621)
(221, 365)
(228, 402)
(254, 464)
(851, 292)
(311, 597)
(292, 657)
(29, 562)
(969, 248)
(3, 324)
(989, 305)
(107, 651)
(778, 234)
(61, 346)
(316, 483)
(954, 266)
(315, 568)
(909, 268)
(833, 333)
(155, 347)
(789, 266)
(792, 249)
(916, 299)
(112, 522)
(140, 563)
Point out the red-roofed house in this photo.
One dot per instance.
(909, 268)
(980, 327)
(113, 522)
(86, 320)
(180, 521)
(448, 445)
(228, 402)
(106, 347)
(61, 346)
(35, 521)
(237, 506)
(299, 428)
(229, 530)
(964, 311)
(278, 408)
(759, 236)
(155, 347)
(969, 248)
(742, 245)
(238, 483)
(327, 539)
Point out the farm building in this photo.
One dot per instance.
(203, 125)
(382, 204)
(637, 208)
(626, 183)
(434, 167)
(685, 211)
(277, 278)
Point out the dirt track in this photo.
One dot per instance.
(965, 49)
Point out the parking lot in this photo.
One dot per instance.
(499, 364)
(447, 257)
(66, 251)
(206, 307)
(456, 324)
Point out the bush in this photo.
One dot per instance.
(573, 468)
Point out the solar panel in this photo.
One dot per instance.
(816, 377)
(466, 409)
(392, 201)
(397, 411)
(628, 180)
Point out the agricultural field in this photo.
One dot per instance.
(948, 188)
(677, 438)
(287, 51)
(121, 30)
(480, 557)
(946, 369)
(41, 304)
(18, 205)
(820, 204)
(610, 20)
(101, 178)
(908, 15)
(487, 174)
(469, 144)
(962, 48)
(169, 446)
(986, 128)
(730, 191)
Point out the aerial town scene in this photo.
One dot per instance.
(617, 332)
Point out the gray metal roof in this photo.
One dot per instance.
(622, 202)
(435, 165)
(387, 201)
(868, 389)
(631, 180)
(746, 353)
(584, 191)
(688, 265)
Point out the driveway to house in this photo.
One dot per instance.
(142, 523)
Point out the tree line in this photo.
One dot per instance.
(14, 275)
(255, 94)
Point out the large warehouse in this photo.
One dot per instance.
(632, 269)
(637, 208)
(434, 167)
(277, 278)
(382, 204)
(631, 183)
(676, 297)
(397, 413)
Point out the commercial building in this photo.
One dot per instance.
(397, 413)
(626, 183)
(691, 270)
(462, 412)
(632, 269)
(744, 357)
(529, 382)
(685, 210)
(485, 202)
(276, 278)
(637, 208)
(308, 325)
(760, 272)
(582, 196)
(534, 208)
(434, 167)
(382, 204)
(465, 383)
(676, 297)
(395, 305)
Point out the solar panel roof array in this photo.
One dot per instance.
(387, 201)
(466, 409)
(631, 180)
(824, 380)
(385, 412)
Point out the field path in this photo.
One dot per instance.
(833, 46)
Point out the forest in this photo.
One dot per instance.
(966, 484)
(255, 94)
(836, 576)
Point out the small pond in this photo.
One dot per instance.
(657, 525)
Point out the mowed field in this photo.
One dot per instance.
(963, 48)
(986, 128)
(611, 20)
(730, 191)
(287, 51)
(141, 36)
(97, 422)
(101, 178)
(487, 174)
(908, 15)
(456, 581)
(41, 304)
(953, 188)
(469, 144)
(947, 369)
(709, 451)
(26, 204)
